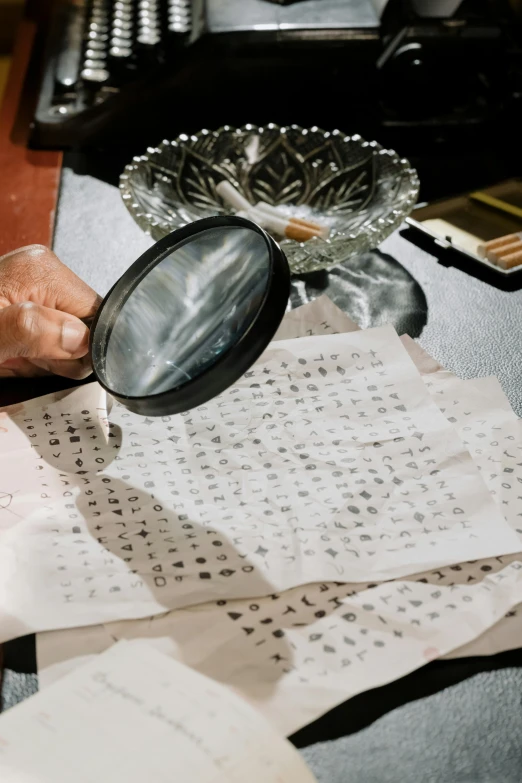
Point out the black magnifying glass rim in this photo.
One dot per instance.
(232, 363)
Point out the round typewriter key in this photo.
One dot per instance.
(95, 75)
(96, 45)
(120, 51)
(190, 316)
(119, 24)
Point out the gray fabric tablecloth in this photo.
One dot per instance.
(471, 733)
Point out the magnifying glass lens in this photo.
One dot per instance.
(195, 304)
(190, 316)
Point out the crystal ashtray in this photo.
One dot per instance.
(361, 191)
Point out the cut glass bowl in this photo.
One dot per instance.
(361, 191)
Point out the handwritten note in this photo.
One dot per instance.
(132, 714)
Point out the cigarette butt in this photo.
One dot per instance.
(300, 233)
(281, 226)
(232, 197)
(511, 260)
(503, 250)
(322, 231)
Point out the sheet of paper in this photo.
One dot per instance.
(483, 399)
(319, 317)
(296, 656)
(327, 461)
(482, 416)
(61, 652)
(133, 714)
(481, 413)
(425, 363)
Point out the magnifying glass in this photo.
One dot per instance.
(190, 316)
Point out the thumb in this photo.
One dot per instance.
(36, 332)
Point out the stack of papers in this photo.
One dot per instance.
(347, 512)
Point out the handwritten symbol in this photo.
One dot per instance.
(5, 501)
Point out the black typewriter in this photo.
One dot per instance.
(145, 69)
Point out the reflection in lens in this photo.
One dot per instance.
(190, 308)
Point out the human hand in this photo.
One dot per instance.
(41, 304)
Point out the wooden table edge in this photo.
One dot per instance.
(30, 178)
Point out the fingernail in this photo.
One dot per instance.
(74, 336)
